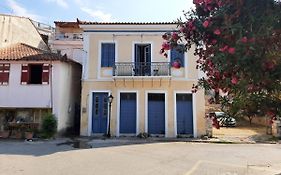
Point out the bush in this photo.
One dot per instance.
(143, 135)
(49, 126)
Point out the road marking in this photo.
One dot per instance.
(198, 163)
(194, 167)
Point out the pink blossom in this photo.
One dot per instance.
(269, 65)
(250, 87)
(224, 48)
(234, 80)
(182, 29)
(176, 64)
(252, 40)
(231, 50)
(175, 36)
(166, 46)
(208, 1)
(217, 32)
(190, 25)
(214, 41)
(220, 3)
(270, 113)
(244, 39)
(209, 7)
(197, 1)
(206, 23)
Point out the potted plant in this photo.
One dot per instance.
(16, 132)
(28, 134)
(5, 133)
(176, 64)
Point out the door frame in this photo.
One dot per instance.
(193, 112)
(90, 101)
(146, 109)
(118, 111)
(142, 43)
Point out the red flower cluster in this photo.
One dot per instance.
(231, 49)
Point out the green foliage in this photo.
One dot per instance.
(143, 135)
(49, 125)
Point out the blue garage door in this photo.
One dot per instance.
(128, 107)
(156, 113)
(184, 114)
(99, 113)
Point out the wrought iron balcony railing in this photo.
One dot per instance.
(142, 69)
(69, 36)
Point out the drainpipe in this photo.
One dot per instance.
(51, 85)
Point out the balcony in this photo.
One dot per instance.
(69, 36)
(141, 69)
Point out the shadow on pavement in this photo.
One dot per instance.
(43, 147)
(36, 148)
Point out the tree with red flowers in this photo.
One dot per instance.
(238, 47)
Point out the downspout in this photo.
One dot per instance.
(51, 85)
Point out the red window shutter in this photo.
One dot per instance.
(24, 73)
(1, 73)
(6, 72)
(45, 73)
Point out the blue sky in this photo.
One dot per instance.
(47, 11)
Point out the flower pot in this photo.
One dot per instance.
(16, 135)
(28, 135)
(176, 64)
(4, 134)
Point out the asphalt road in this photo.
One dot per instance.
(173, 158)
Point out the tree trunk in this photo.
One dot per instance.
(250, 119)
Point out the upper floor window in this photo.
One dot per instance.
(4, 74)
(177, 54)
(107, 54)
(35, 74)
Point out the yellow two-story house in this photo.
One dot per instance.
(150, 95)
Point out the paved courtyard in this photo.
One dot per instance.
(243, 132)
(121, 157)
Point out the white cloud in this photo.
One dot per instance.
(79, 2)
(61, 3)
(21, 11)
(100, 15)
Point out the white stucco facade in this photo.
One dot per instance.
(60, 95)
(16, 29)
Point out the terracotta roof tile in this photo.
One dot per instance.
(21, 51)
(127, 23)
(67, 24)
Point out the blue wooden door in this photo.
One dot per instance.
(156, 113)
(128, 107)
(184, 114)
(99, 113)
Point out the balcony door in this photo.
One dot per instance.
(142, 60)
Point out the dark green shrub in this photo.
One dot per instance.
(49, 126)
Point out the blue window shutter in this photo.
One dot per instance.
(103, 56)
(111, 55)
(149, 53)
(107, 54)
(178, 54)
